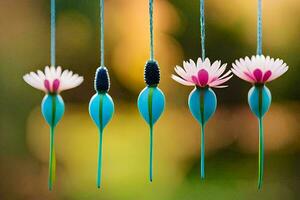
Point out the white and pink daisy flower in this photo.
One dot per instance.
(203, 74)
(53, 80)
(259, 69)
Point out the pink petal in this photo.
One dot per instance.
(203, 77)
(47, 85)
(257, 73)
(55, 85)
(266, 76)
(249, 76)
(195, 80)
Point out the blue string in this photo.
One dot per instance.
(202, 24)
(52, 51)
(151, 30)
(259, 28)
(102, 32)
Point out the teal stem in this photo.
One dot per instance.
(202, 25)
(261, 154)
(202, 152)
(102, 32)
(52, 25)
(150, 97)
(259, 27)
(99, 171)
(52, 159)
(151, 30)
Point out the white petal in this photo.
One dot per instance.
(41, 75)
(71, 84)
(241, 75)
(221, 70)
(220, 81)
(188, 68)
(199, 62)
(33, 82)
(35, 77)
(47, 72)
(182, 73)
(206, 63)
(58, 72)
(214, 67)
(181, 81)
(226, 74)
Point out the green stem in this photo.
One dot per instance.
(100, 160)
(150, 95)
(261, 140)
(52, 160)
(261, 154)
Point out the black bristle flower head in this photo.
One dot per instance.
(152, 73)
(102, 82)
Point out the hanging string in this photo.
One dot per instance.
(151, 30)
(202, 24)
(52, 27)
(102, 32)
(259, 28)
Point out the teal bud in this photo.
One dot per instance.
(53, 108)
(202, 104)
(151, 104)
(259, 99)
(101, 109)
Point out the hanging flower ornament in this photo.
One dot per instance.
(53, 81)
(151, 100)
(204, 76)
(202, 100)
(258, 71)
(101, 107)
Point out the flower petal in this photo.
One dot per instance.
(181, 81)
(259, 69)
(203, 77)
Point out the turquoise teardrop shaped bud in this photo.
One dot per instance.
(259, 99)
(202, 104)
(151, 104)
(53, 108)
(101, 109)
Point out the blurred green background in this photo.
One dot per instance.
(231, 136)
